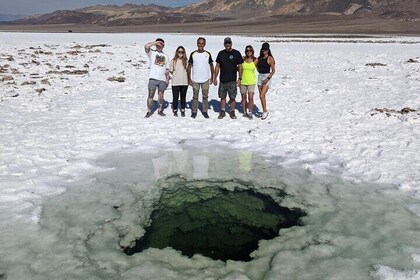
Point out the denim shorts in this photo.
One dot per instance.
(261, 78)
(161, 85)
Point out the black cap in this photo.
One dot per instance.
(228, 40)
(265, 46)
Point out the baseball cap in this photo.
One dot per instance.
(265, 46)
(228, 40)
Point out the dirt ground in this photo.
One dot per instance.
(281, 25)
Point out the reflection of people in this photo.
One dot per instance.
(266, 68)
(178, 69)
(200, 70)
(248, 81)
(158, 74)
(228, 61)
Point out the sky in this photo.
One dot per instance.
(31, 7)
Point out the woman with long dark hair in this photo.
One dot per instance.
(266, 66)
(248, 81)
(178, 69)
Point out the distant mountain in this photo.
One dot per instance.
(7, 17)
(212, 10)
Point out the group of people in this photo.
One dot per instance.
(199, 72)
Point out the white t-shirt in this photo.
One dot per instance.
(159, 63)
(200, 66)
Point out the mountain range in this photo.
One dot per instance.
(255, 16)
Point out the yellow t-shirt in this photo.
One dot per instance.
(248, 74)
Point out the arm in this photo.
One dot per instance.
(189, 74)
(147, 46)
(216, 73)
(240, 74)
(212, 72)
(272, 63)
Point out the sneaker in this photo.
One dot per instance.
(250, 116)
(258, 114)
(222, 114)
(148, 114)
(245, 115)
(175, 113)
(264, 115)
(232, 115)
(194, 115)
(206, 115)
(182, 114)
(162, 114)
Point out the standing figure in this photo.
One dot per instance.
(248, 81)
(266, 66)
(158, 74)
(178, 69)
(200, 71)
(228, 62)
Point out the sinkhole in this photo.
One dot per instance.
(204, 217)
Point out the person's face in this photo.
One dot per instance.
(180, 53)
(265, 52)
(249, 52)
(228, 46)
(201, 44)
(160, 45)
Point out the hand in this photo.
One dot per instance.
(159, 43)
(238, 82)
(215, 82)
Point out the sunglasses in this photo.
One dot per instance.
(249, 50)
(180, 52)
(228, 43)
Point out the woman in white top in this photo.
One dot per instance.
(178, 69)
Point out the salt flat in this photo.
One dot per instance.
(335, 110)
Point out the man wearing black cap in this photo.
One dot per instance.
(228, 62)
(158, 75)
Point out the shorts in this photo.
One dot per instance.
(262, 77)
(228, 88)
(247, 89)
(161, 85)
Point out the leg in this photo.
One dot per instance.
(150, 99)
(251, 101)
(205, 91)
(263, 91)
(243, 98)
(175, 95)
(196, 90)
(160, 100)
(183, 90)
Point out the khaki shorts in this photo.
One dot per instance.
(247, 89)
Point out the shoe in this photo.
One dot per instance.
(148, 114)
(258, 114)
(194, 115)
(176, 114)
(245, 115)
(206, 115)
(264, 115)
(232, 115)
(222, 114)
(250, 116)
(182, 114)
(162, 114)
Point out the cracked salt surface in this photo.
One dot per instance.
(352, 231)
(321, 120)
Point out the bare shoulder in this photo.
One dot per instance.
(271, 60)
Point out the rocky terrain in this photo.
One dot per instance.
(359, 16)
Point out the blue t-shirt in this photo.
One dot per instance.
(229, 62)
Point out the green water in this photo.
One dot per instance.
(201, 217)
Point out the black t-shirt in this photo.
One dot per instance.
(229, 62)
